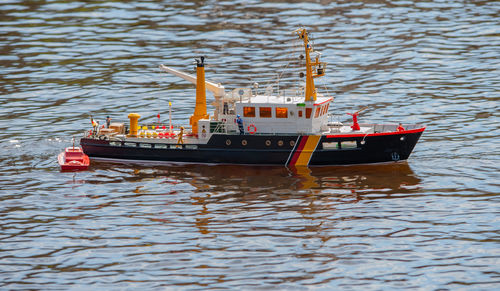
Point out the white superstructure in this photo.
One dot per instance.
(290, 112)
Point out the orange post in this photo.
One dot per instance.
(134, 118)
(200, 111)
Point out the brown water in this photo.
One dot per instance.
(431, 223)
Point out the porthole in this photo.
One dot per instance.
(292, 143)
(244, 142)
(268, 142)
(280, 143)
(228, 142)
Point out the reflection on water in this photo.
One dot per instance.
(388, 178)
(427, 224)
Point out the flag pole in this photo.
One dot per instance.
(170, 117)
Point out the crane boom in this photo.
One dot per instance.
(216, 89)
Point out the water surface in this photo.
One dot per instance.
(430, 223)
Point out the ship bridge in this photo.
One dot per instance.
(281, 114)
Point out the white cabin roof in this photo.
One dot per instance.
(263, 99)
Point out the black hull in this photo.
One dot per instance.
(290, 150)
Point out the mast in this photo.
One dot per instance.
(200, 110)
(313, 69)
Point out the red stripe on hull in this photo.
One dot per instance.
(299, 149)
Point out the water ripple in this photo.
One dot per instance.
(431, 223)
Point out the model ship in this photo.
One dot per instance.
(291, 129)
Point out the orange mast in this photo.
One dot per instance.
(313, 69)
(200, 110)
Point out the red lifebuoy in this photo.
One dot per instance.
(251, 129)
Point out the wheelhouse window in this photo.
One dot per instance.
(249, 111)
(308, 112)
(316, 114)
(265, 112)
(281, 112)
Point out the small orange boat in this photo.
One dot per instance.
(73, 159)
